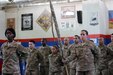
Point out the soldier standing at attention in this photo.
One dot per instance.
(84, 54)
(105, 52)
(55, 61)
(65, 47)
(73, 62)
(33, 60)
(45, 50)
(66, 53)
(10, 50)
(110, 64)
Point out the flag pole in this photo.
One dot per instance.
(58, 32)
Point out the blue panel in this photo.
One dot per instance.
(71, 41)
(25, 44)
(107, 41)
(0, 44)
(111, 14)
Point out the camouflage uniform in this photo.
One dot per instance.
(44, 67)
(66, 53)
(73, 62)
(55, 62)
(84, 55)
(33, 61)
(11, 58)
(105, 53)
(73, 67)
(110, 63)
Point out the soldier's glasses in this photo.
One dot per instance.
(75, 38)
(82, 34)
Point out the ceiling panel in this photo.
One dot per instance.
(16, 3)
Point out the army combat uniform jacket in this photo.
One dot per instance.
(10, 57)
(84, 55)
(44, 67)
(45, 51)
(73, 62)
(104, 58)
(110, 63)
(66, 53)
(65, 50)
(55, 63)
(33, 61)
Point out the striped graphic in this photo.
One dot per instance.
(111, 19)
(52, 41)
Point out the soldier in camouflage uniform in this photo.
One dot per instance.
(34, 58)
(45, 50)
(105, 53)
(10, 51)
(55, 61)
(66, 53)
(84, 55)
(65, 47)
(110, 63)
(73, 62)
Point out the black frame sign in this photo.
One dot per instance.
(27, 22)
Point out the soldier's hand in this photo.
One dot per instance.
(64, 61)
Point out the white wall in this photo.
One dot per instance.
(38, 32)
(103, 10)
(96, 9)
(90, 8)
(2, 24)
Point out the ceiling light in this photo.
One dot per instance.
(74, 0)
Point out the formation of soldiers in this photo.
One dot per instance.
(82, 57)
